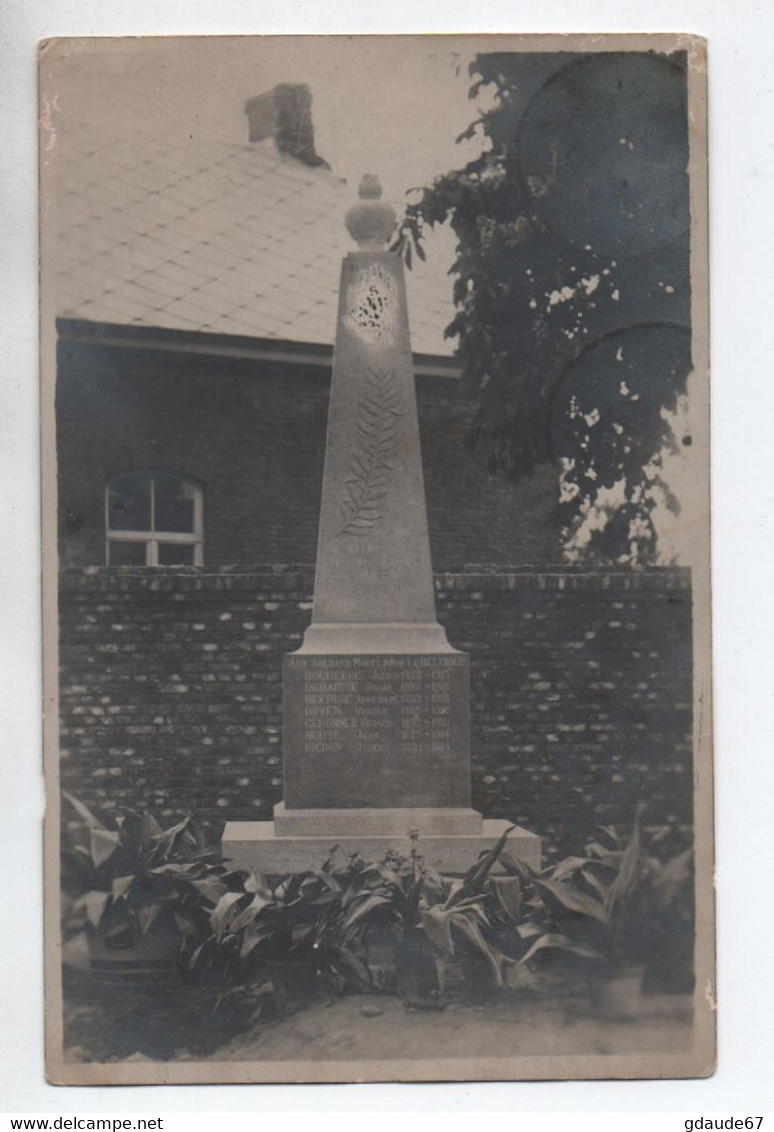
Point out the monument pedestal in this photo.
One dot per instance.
(449, 839)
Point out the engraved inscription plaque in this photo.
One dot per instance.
(376, 731)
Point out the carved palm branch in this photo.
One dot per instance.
(370, 464)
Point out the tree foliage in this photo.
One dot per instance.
(528, 305)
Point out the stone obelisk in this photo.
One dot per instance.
(376, 701)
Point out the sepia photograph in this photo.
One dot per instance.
(376, 532)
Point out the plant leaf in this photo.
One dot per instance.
(570, 898)
(472, 933)
(248, 914)
(77, 869)
(104, 843)
(147, 915)
(196, 954)
(598, 885)
(211, 888)
(514, 867)
(363, 908)
(256, 882)
(182, 870)
(153, 829)
(560, 943)
(300, 933)
(508, 893)
(437, 927)
(529, 930)
(328, 880)
(569, 866)
(254, 934)
(625, 880)
(169, 836)
(196, 834)
(601, 855)
(454, 887)
(93, 904)
(668, 883)
(358, 967)
(475, 876)
(121, 886)
(83, 811)
(224, 911)
(132, 829)
(185, 925)
(441, 963)
(433, 888)
(610, 833)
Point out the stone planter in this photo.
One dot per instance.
(148, 959)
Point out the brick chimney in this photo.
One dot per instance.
(285, 114)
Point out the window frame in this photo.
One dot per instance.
(151, 538)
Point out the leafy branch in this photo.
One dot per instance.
(526, 306)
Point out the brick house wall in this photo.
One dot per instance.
(254, 434)
(171, 690)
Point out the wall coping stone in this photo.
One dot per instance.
(74, 579)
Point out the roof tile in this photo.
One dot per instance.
(234, 239)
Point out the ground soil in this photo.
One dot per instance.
(537, 1016)
(507, 1026)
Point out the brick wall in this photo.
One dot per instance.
(581, 690)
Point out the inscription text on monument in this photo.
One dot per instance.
(380, 730)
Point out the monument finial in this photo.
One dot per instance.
(371, 221)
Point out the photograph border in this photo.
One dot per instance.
(697, 1062)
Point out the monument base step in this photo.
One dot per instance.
(259, 845)
(393, 822)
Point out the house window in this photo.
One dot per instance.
(154, 520)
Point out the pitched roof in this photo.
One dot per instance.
(216, 237)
